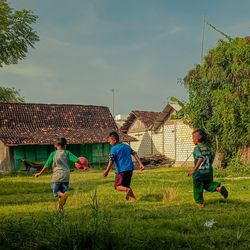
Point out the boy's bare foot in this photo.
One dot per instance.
(58, 207)
(128, 194)
(133, 199)
(200, 205)
(63, 200)
(223, 191)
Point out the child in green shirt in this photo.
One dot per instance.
(202, 172)
(59, 160)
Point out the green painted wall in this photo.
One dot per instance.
(97, 153)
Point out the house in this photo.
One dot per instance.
(27, 132)
(176, 137)
(139, 125)
(157, 133)
(120, 119)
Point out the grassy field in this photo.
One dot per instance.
(97, 217)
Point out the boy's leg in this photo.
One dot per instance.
(123, 180)
(55, 186)
(62, 195)
(223, 191)
(126, 180)
(62, 199)
(129, 191)
(198, 191)
(214, 186)
(130, 195)
(211, 186)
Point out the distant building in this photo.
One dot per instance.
(27, 132)
(120, 119)
(139, 125)
(157, 133)
(176, 137)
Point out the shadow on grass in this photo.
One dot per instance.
(24, 201)
(8, 188)
(90, 185)
(21, 193)
(166, 227)
(229, 202)
(152, 197)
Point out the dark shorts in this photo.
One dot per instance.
(123, 178)
(59, 187)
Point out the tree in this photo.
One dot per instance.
(10, 95)
(219, 95)
(16, 33)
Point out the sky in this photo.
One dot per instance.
(138, 48)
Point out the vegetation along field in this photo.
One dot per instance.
(98, 217)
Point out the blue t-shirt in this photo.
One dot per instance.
(121, 155)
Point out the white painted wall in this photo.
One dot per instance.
(5, 162)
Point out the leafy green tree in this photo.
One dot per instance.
(219, 95)
(10, 95)
(16, 33)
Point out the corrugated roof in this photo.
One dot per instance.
(28, 123)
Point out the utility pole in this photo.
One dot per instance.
(113, 101)
(202, 40)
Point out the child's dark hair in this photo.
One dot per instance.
(114, 135)
(61, 141)
(200, 133)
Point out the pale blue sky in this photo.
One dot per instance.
(139, 47)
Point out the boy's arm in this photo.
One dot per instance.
(141, 166)
(110, 164)
(42, 170)
(46, 165)
(73, 158)
(197, 165)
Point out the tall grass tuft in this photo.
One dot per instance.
(170, 194)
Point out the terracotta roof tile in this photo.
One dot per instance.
(146, 117)
(24, 123)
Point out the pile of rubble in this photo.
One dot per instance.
(156, 160)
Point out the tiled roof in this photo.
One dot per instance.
(25, 123)
(146, 117)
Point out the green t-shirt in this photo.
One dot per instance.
(59, 160)
(205, 171)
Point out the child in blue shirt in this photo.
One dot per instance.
(120, 155)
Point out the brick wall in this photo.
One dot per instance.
(157, 142)
(178, 144)
(173, 139)
(184, 143)
(169, 141)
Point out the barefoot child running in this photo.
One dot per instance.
(202, 172)
(120, 155)
(59, 160)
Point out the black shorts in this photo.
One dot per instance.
(123, 178)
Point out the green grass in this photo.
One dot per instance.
(97, 217)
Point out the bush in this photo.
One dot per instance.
(235, 168)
